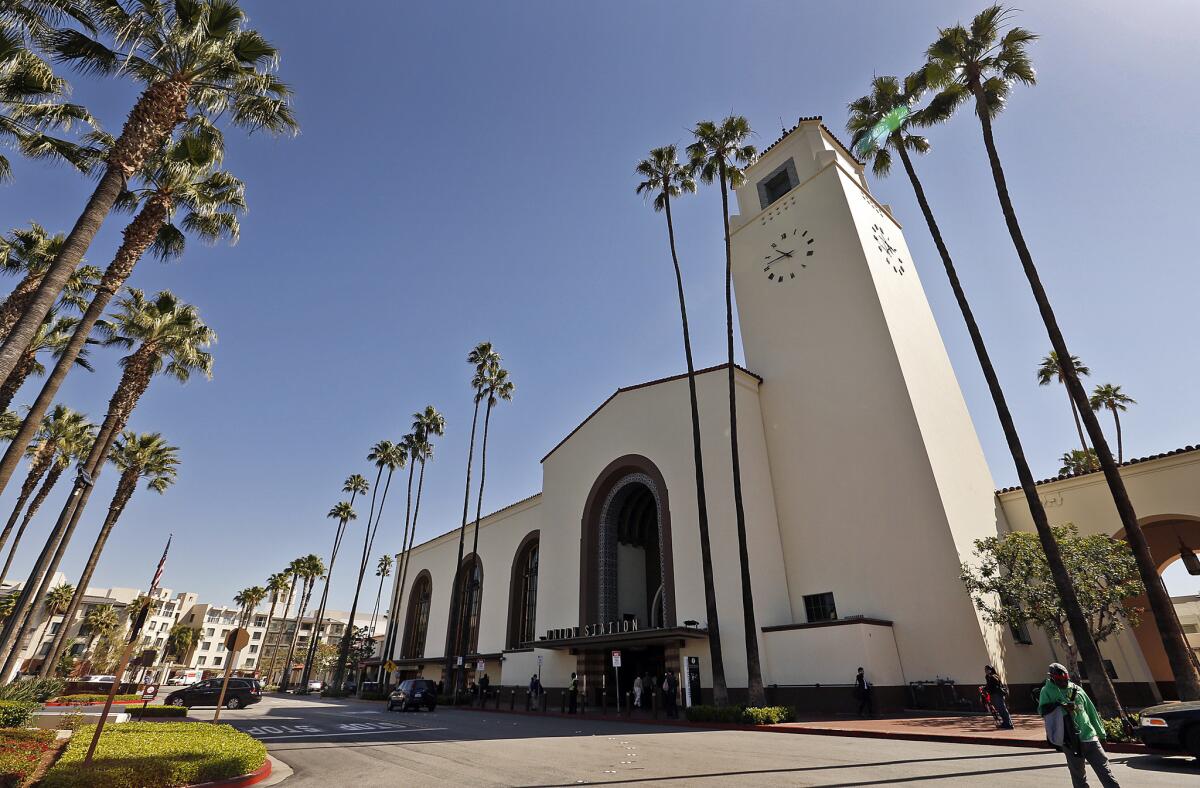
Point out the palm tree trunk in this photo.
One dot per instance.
(138, 236)
(52, 478)
(9, 388)
(412, 535)
(389, 640)
(284, 679)
(453, 636)
(267, 632)
(160, 108)
(378, 599)
(312, 642)
(16, 303)
(720, 691)
(753, 669)
(1179, 655)
(464, 644)
(1103, 691)
(1078, 425)
(120, 498)
(286, 608)
(1120, 442)
(37, 468)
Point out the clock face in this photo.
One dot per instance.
(787, 254)
(891, 256)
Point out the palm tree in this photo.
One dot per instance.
(343, 513)
(1051, 370)
(101, 622)
(182, 185)
(292, 570)
(137, 456)
(482, 357)
(383, 570)
(59, 598)
(29, 253)
(664, 178)
(426, 424)
(308, 569)
(189, 55)
(384, 454)
(52, 336)
(168, 337)
(880, 123)
(179, 641)
(408, 446)
(1111, 397)
(982, 63)
(277, 588)
(719, 153)
(58, 426)
(1077, 463)
(73, 442)
(249, 599)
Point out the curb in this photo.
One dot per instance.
(1042, 744)
(256, 776)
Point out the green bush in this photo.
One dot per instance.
(15, 713)
(88, 697)
(1115, 729)
(158, 711)
(36, 690)
(20, 752)
(741, 715)
(156, 755)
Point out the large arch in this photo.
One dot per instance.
(628, 502)
(522, 592)
(468, 591)
(416, 620)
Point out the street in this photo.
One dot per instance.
(348, 742)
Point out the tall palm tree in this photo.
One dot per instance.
(72, 444)
(1051, 370)
(719, 153)
(53, 337)
(27, 252)
(425, 425)
(137, 456)
(343, 512)
(383, 570)
(408, 446)
(101, 622)
(982, 63)
(197, 55)
(482, 357)
(179, 641)
(665, 178)
(308, 569)
(59, 425)
(292, 570)
(167, 337)
(59, 598)
(277, 588)
(498, 387)
(384, 454)
(882, 122)
(248, 599)
(1110, 397)
(181, 185)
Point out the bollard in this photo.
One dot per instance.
(497, 700)
(603, 703)
(544, 700)
(512, 700)
(628, 704)
(562, 701)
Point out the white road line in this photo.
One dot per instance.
(348, 733)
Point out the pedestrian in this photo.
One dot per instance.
(533, 686)
(998, 692)
(484, 683)
(669, 686)
(637, 692)
(864, 691)
(571, 690)
(441, 688)
(1083, 728)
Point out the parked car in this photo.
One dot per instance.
(413, 693)
(1174, 727)
(316, 686)
(100, 679)
(240, 693)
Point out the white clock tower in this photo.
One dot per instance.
(880, 482)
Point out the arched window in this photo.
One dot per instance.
(522, 608)
(416, 624)
(466, 618)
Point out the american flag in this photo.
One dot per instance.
(161, 563)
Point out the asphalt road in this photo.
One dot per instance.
(342, 743)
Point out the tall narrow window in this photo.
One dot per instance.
(417, 622)
(472, 594)
(522, 600)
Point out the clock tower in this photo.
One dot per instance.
(880, 483)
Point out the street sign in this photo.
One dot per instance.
(237, 639)
(616, 659)
(389, 666)
(460, 662)
(150, 692)
(480, 666)
(539, 660)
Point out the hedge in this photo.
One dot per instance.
(158, 711)
(1116, 730)
(83, 698)
(741, 715)
(15, 713)
(34, 689)
(156, 755)
(20, 753)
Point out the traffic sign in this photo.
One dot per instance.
(150, 692)
(389, 666)
(480, 666)
(616, 659)
(237, 639)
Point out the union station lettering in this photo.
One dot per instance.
(593, 630)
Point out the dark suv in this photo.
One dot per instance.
(413, 693)
(239, 693)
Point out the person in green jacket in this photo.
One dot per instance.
(1058, 691)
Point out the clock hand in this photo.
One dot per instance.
(781, 256)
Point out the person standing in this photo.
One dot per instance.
(637, 692)
(669, 700)
(1083, 743)
(484, 683)
(863, 690)
(572, 689)
(999, 695)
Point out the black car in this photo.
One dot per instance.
(239, 694)
(1172, 726)
(413, 693)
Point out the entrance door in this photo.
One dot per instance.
(649, 662)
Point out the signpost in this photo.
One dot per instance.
(692, 688)
(148, 694)
(235, 641)
(480, 666)
(616, 656)
(539, 668)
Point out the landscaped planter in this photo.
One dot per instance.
(52, 719)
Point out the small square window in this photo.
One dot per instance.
(820, 607)
(781, 181)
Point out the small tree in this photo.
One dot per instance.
(65, 665)
(1076, 462)
(1012, 586)
(326, 658)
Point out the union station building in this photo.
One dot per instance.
(864, 485)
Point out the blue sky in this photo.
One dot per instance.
(464, 172)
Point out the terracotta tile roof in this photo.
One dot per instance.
(810, 119)
(1135, 461)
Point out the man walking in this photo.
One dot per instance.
(999, 695)
(862, 690)
(572, 689)
(1085, 728)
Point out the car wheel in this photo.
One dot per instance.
(390, 707)
(176, 701)
(1191, 740)
(233, 704)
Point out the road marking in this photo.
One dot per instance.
(363, 712)
(348, 733)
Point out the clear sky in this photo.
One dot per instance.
(464, 172)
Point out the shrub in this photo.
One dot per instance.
(36, 690)
(15, 713)
(157, 755)
(741, 715)
(1116, 729)
(20, 752)
(158, 711)
(89, 697)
